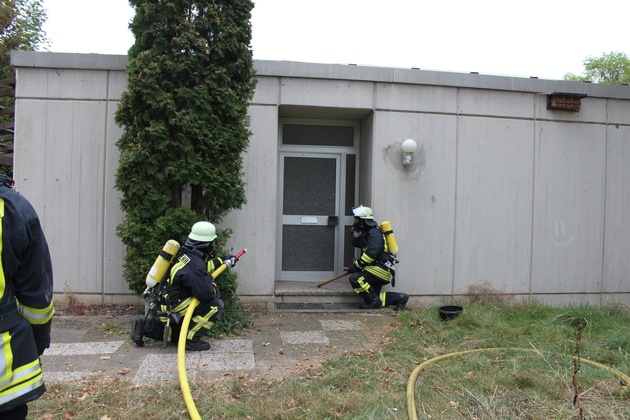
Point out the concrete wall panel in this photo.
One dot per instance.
(568, 208)
(113, 250)
(63, 84)
(415, 98)
(254, 226)
(87, 168)
(267, 91)
(494, 201)
(418, 199)
(618, 111)
(495, 103)
(71, 196)
(617, 229)
(331, 93)
(69, 154)
(366, 158)
(30, 123)
(116, 85)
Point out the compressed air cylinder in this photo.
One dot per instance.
(162, 263)
(387, 230)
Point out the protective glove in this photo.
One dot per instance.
(352, 269)
(42, 336)
(230, 261)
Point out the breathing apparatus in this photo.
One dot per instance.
(386, 228)
(160, 267)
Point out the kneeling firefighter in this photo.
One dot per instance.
(190, 276)
(375, 266)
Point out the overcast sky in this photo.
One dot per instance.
(541, 38)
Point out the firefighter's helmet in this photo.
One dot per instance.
(364, 213)
(203, 232)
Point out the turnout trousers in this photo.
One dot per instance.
(368, 284)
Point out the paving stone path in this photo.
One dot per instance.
(276, 345)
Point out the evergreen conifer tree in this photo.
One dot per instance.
(190, 79)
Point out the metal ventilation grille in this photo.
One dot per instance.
(299, 306)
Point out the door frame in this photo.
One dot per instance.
(339, 152)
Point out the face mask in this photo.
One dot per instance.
(356, 228)
(6, 181)
(209, 250)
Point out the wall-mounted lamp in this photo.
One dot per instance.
(408, 147)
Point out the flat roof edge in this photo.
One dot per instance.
(55, 60)
(269, 68)
(437, 78)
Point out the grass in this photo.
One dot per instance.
(541, 384)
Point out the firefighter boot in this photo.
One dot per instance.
(137, 332)
(372, 301)
(197, 344)
(402, 303)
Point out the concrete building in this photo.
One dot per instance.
(518, 186)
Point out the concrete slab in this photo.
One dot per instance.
(77, 349)
(339, 325)
(303, 337)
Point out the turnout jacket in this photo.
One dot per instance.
(373, 246)
(26, 299)
(191, 276)
(374, 253)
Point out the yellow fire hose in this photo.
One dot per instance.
(181, 347)
(411, 403)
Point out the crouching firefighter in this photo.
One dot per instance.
(190, 276)
(375, 266)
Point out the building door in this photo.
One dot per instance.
(317, 190)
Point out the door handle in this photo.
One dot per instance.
(333, 220)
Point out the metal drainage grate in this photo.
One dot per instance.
(300, 306)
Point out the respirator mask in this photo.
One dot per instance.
(356, 228)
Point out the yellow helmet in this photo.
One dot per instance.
(203, 232)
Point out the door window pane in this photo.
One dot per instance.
(308, 248)
(318, 135)
(309, 186)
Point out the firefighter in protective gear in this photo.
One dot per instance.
(26, 302)
(373, 269)
(190, 276)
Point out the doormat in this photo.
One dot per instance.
(320, 307)
(300, 306)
